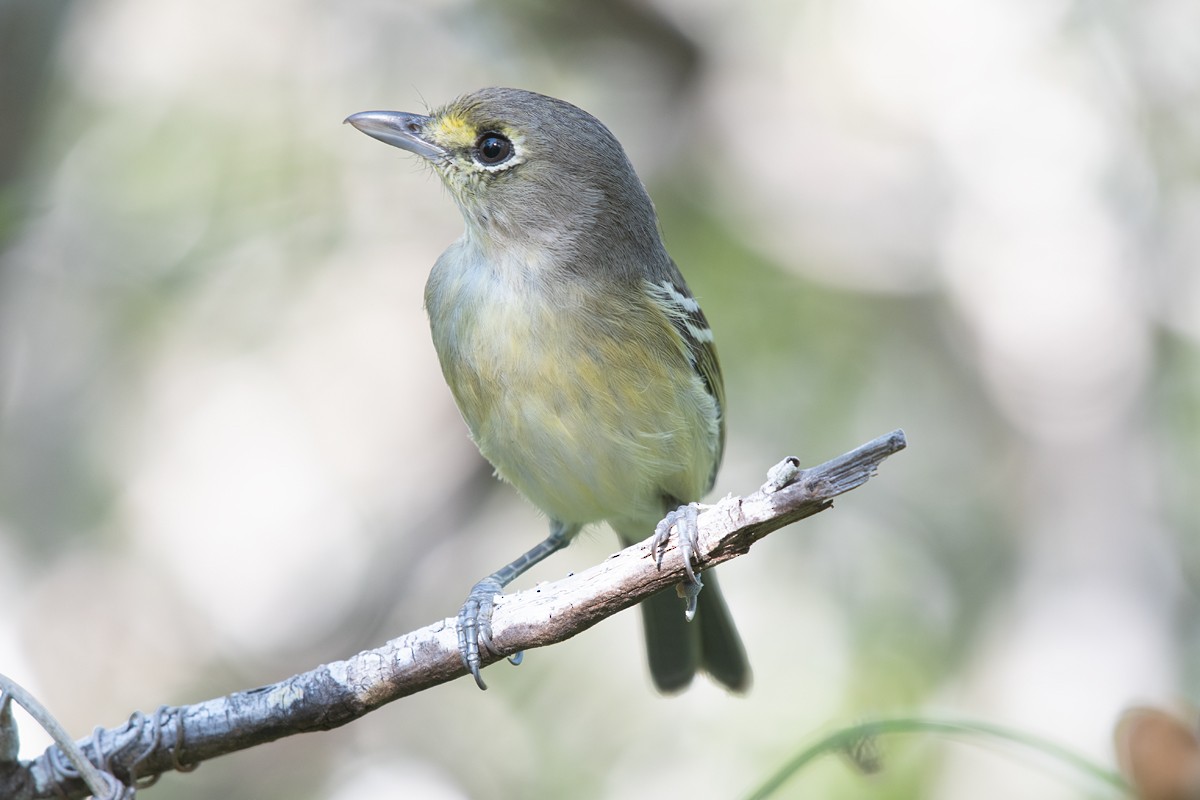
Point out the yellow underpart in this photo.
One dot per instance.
(587, 421)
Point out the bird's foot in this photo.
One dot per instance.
(689, 591)
(475, 627)
(475, 617)
(687, 530)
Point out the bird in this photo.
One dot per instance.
(581, 362)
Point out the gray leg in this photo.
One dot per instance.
(475, 617)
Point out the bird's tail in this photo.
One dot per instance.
(710, 643)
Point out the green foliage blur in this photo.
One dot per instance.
(227, 454)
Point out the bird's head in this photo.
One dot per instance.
(524, 167)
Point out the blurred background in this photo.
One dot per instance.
(227, 453)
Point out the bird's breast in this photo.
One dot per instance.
(579, 400)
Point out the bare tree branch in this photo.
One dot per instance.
(334, 694)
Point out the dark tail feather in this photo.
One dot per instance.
(670, 641)
(721, 652)
(710, 642)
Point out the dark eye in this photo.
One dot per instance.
(492, 149)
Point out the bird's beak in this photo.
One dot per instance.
(397, 128)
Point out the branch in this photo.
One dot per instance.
(332, 695)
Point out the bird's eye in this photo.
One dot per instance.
(492, 149)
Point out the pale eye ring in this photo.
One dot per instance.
(492, 149)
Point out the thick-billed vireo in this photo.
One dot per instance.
(580, 361)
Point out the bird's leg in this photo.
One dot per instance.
(475, 617)
(684, 520)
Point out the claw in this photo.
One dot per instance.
(475, 618)
(683, 520)
(475, 627)
(690, 592)
(662, 535)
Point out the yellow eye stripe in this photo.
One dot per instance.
(452, 130)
